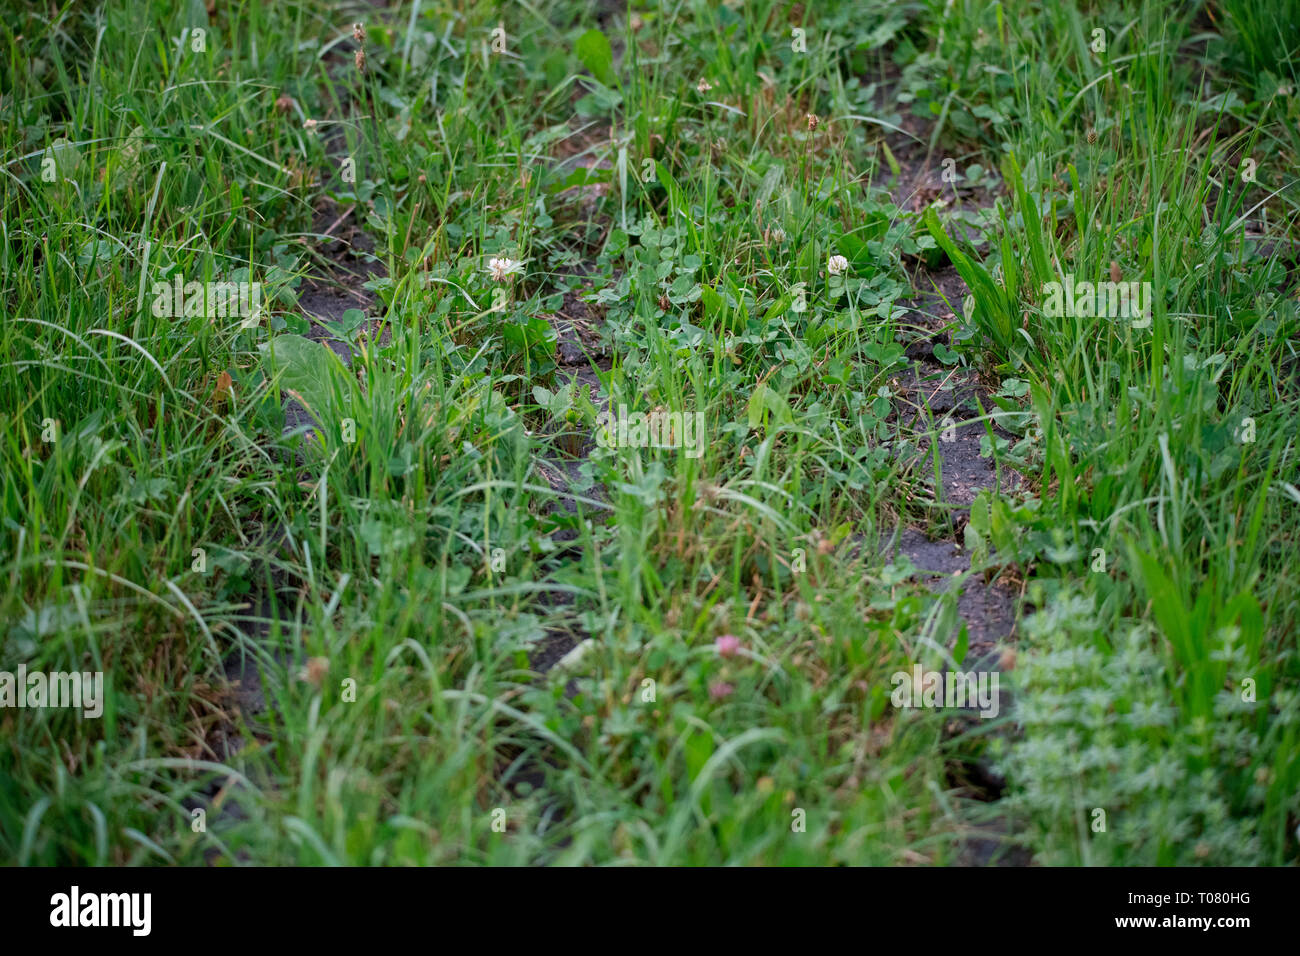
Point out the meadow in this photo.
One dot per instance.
(564, 433)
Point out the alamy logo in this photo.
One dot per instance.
(1115, 300)
(935, 689)
(658, 429)
(84, 691)
(103, 909)
(209, 300)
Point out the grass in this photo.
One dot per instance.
(391, 564)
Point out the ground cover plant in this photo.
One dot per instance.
(567, 433)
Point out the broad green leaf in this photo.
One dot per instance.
(594, 51)
(962, 645)
(66, 156)
(713, 303)
(771, 179)
(528, 333)
(306, 369)
(757, 402)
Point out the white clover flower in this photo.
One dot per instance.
(836, 264)
(503, 268)
(703, 86)
(778, 235)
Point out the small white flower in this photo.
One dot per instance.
(703, 86)
(309, 124)
(778, 235)
(836, 264)
(503, 268)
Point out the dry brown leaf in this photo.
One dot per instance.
(225, 386)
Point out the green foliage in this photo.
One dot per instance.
(670, 213)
